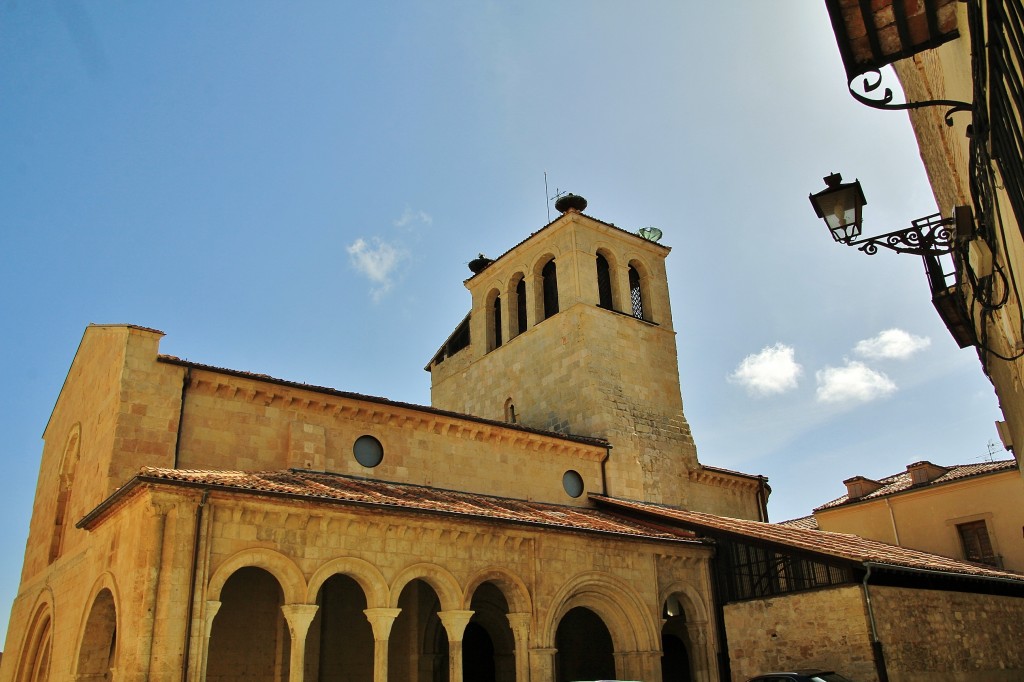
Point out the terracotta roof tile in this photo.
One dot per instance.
(807, 522)
(335, 488)
(901, 482)
(839, 545)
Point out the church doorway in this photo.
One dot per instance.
(99, 641)
(418, 646)
(585, 650)
(249, 641)
(339, 645)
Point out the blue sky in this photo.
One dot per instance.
(296, 188)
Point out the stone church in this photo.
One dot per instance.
(546, 518)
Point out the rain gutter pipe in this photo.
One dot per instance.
(876, 646)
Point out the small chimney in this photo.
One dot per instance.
(924, 472)
(858, 486)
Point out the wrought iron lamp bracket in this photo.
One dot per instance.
(928, 236)
(886, 103)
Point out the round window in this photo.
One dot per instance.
(368, 451)
(573, 483)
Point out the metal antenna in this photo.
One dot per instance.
(547, 199)
(558, 194)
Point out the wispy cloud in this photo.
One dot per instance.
(774, 370)
(891, 344)
(376, 260)
(854, 382)
(410, 217)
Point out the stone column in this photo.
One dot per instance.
(455, 623)
(620, 283)
(298, 616)
(700, 652)
(199, 670)
(381, 621)
(542, 664)
(520, 624)
(534, 300)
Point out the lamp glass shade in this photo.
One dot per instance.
(840, 205)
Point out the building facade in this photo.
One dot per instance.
(194, 522)
(967, 511)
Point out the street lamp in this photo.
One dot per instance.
(840, 205)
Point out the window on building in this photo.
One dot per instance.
(496, 320)
(550, 277)
(510, 411)
(976, 543)
(635, 295)
(521, 306)
(604, 283)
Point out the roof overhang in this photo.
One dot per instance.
(873, 33)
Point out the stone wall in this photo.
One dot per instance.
(953, 636)
(819, 629)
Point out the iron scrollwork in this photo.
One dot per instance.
(928, 236)
(873, 81)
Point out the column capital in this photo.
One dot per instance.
(299, 616)
(520, 623)
(381, 621)
(455, 623)
(212, 607)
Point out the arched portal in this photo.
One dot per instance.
(249, 640)
(35, 659)
(418, 646)
(98, 651)
(585, 650)
(339, 645)
(488, 645)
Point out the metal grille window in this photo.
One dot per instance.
(976, 543)
(749, 571)
(604, 283)
(635, 296)
(550, 277)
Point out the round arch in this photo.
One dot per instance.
(512, 587)
(93, 633)
(627, 617)
(691, 600)
(493, 315)
(444, 584)
(366, 575)
(643, 283)
(34, 661)
(539, 262)
(287, 573)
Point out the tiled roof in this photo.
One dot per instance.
(901, 482)
(170, 359)
(837, 545)
(338, 489)
(807, 522)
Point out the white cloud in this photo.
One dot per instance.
(856, 382)
(410, 216)
(773, 370)
(377, 261)
(892, 343)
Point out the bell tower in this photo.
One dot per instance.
(571, 331)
